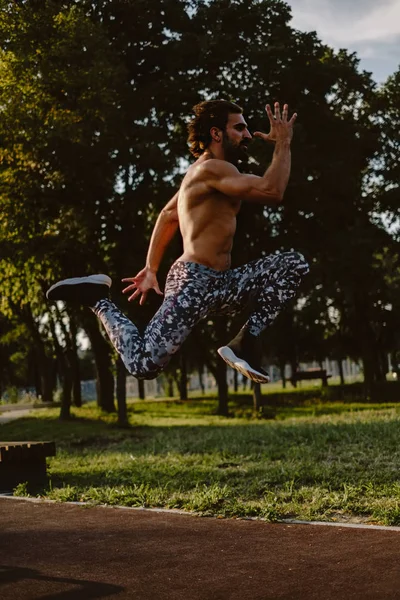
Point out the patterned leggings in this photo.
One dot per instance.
(192, 292)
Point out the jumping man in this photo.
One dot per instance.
(201, 283)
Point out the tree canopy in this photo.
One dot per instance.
(94, 102)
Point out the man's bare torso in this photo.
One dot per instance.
(207, 220)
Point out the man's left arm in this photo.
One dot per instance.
(164, 230)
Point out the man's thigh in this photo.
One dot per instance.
(189, 297)
(246, 282)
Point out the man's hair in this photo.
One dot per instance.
(210, 113)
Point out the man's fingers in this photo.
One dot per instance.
(129, 288)
(134, 280)
(269, 113)
(134, 295)
(143, 298)
(263, 136)
(276, 116)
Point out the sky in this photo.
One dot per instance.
(370, 28)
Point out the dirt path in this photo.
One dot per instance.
(67, 552)
(11, 415)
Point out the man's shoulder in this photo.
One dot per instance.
(213, 167)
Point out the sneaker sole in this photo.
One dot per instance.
(241, 365)
(73, 281)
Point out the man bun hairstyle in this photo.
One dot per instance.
(210, 113)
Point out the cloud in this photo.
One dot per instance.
(338, 22)
(380, 58)
(362, 26)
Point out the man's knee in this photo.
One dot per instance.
(145, 371)
(146, 374)
(296, 261)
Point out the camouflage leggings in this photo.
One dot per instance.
(192, 292)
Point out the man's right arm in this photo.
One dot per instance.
(270, 188)
(164, 230)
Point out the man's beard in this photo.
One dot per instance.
(235, 154)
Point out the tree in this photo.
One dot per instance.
(386, 168)
(94, 100)
(59, 79)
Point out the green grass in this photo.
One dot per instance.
(325, 461)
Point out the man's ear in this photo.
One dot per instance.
(215, 134)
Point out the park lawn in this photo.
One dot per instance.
(322, 461)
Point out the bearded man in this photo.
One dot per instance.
(201, 282)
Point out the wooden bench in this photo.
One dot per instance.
(311, 374)
(22, 462)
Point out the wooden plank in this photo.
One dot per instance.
(19, 451)
(311, 374)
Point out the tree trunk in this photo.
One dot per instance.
(76, 389)
(341, 372)
(102, 356)
(220, 376)
(282, 369)
(368, 371)
(294, 369)
(257, 398)
(367, 340)
(235, 381)
(64, 368)
(121, 394)
(106, 382)
(36, 378)
(43, 362)
(44, 366)
(183, 381)
(170, 381)
(66, 393)
(383, 366)
(201, 381)
(368, 345)
(66, 377)
(141, 389)
(76, 386)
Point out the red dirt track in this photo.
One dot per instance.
(66, 552)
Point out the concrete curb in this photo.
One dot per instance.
(175, 511)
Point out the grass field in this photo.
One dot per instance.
(325, 461)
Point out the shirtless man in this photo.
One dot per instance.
(201, 283)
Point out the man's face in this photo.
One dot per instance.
(236, 139)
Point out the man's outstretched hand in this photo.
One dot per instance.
(281, 128)
(144, 281)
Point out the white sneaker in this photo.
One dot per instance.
(241, 365)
